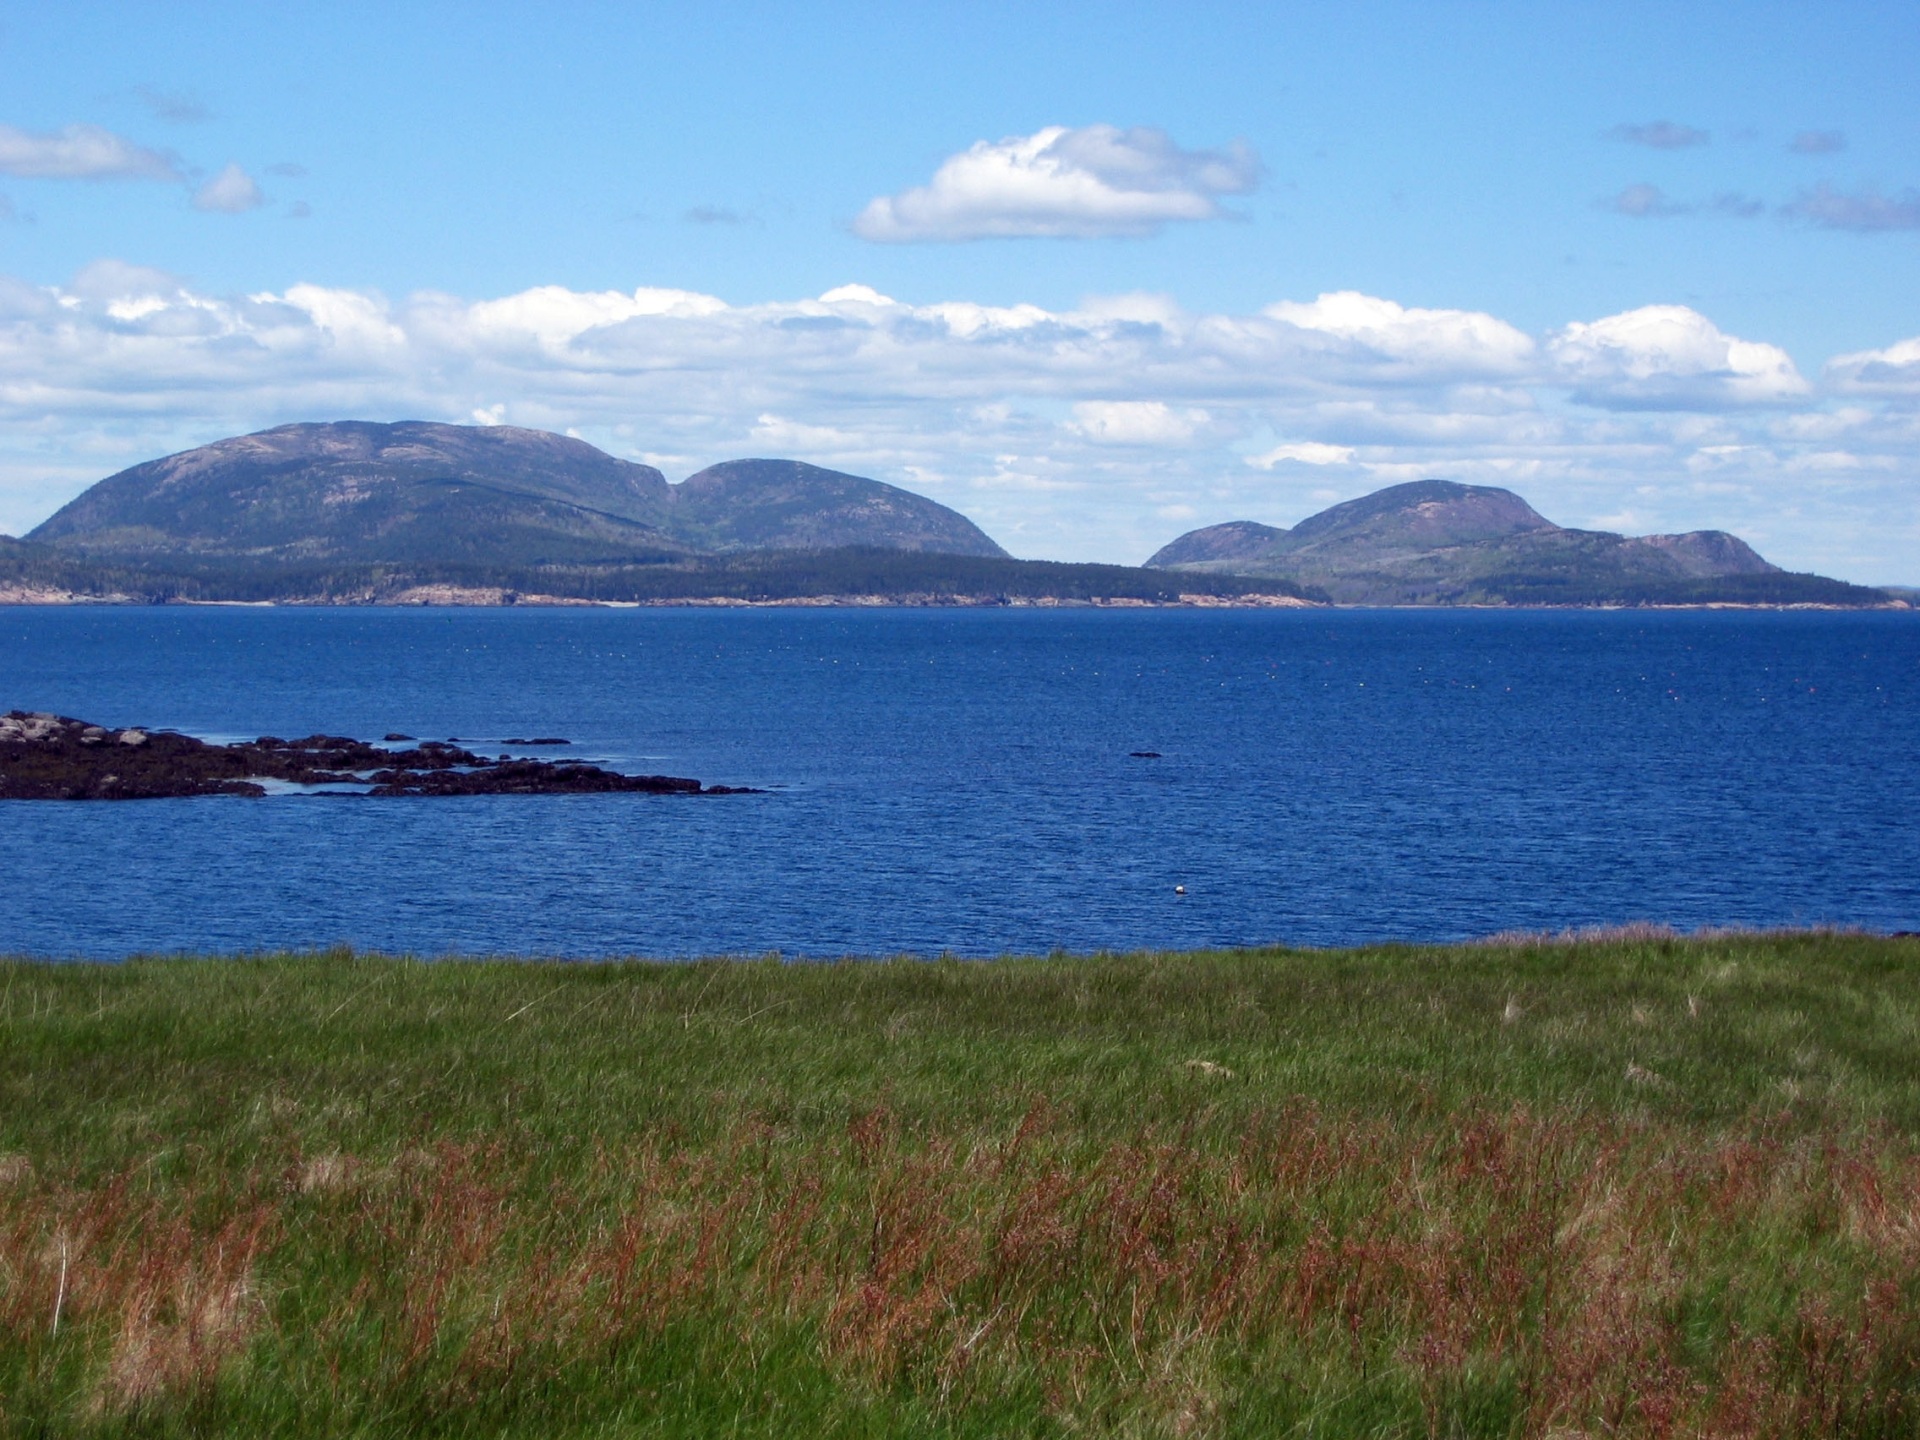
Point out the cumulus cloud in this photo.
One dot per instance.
(781, 433)
(1304, 452)
(1098, 180)
(1661, 135)
(1893, 370)
(1671, 356)
(1457, 343)
(855, 295)
(552, 315)
(231, 192)
(80, 152)
(345, 322)
(89, 152)
(1866, 210)
(1818, 142)
(1065, 433)
(1136, 422)
(110, 281)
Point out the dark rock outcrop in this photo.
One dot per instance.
(55, 757)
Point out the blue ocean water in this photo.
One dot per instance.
(962, 780)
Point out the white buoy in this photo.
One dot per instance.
(1179, 889)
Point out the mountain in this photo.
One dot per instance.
(1235, 540)
(358, 513)
(352, 512)
(790, 505)
(1437, 542)
(356, 493)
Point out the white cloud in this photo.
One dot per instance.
(553, 315)
(80, 152)
(856, 295)
(1139, 306)
(1894, 370)
(231, 192)
(796, 437)
(1065, 433)
(1136, 422)
(341, 319)
(1304, 452)
(1456, 343)
(1095, 181)
(1671, 356)
(117, 280)
(966, 320)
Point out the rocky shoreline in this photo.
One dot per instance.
(495, 596)
(489, 597)
(55, 757)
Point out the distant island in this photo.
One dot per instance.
(354, 512)
(1438, 542)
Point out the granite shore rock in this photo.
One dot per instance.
(55, 757)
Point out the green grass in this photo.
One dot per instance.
(1630, 1184)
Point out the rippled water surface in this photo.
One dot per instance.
(962, 780)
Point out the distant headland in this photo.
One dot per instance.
(1438, 542)
(358, 513)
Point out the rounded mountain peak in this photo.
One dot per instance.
(1423, 513)
(1233, 540)
(363, 492)
(791, 505)
(330, 488)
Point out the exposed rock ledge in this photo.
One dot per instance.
(11, 594)
(485, 595)
(55, 757)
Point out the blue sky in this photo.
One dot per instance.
(1652, 266)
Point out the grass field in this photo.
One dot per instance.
(1621, 1185)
